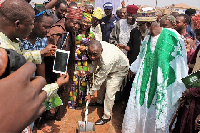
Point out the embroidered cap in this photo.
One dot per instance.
(146, 14)
(108, 5)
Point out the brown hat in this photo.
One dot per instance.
(75, 13)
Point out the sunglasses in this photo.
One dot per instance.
(47, 11)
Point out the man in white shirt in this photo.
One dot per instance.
(120, 34)
(112, 69)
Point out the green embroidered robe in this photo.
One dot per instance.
(157, 86)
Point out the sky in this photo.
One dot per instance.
(161, 3)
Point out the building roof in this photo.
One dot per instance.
(181, 5)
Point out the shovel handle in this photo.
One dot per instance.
(86, 112)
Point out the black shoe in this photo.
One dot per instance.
(102, 121)
(95, 104)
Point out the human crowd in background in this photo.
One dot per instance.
(139, 51)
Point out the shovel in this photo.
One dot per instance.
(85, 126)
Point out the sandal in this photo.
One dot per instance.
(46, 128)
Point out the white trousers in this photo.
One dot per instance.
(108, 89)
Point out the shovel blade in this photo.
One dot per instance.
(83, 127)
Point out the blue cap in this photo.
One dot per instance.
(108, 5)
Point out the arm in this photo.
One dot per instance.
(51, 4)
(36, 56)
(41, 69)
(114, 35)
(21, 99)
(101, 76)
(52, 88)
(3, 61)
(33, 56)
(99, 33)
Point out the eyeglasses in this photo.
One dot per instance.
(47, 11)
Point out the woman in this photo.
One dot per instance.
(79, 85)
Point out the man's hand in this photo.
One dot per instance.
(49, 50)
(130, 75)
(82, 48)
(88, 98)
(63, 79)
(182, 101)
(121, 46)
(188, 48)
(21, 99)
(197, 125)
(186, 93)
(190, 44)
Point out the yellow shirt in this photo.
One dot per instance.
(31, 56)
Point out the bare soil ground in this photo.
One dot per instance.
(69, 122)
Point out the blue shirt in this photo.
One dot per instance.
(189, 30)
(106, 27)
(40, 44)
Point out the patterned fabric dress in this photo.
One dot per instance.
(79, 85)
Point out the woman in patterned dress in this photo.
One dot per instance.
(79, 85)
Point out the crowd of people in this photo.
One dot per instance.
(142, 52)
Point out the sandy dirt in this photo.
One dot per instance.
(69, 122)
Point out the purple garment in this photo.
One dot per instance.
(187, 115)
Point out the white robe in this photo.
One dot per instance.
(157, 118)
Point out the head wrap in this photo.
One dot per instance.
(171, 18)
(98, 13)
(108, 5)
(75, 13)
(196, 21)
(87, 16)
(132, 9)
(190, 11)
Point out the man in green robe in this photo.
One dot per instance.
(157, 86)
